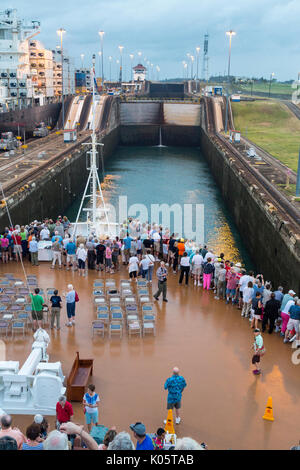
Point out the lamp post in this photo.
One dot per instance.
(139, 54)
(158, 70)
(152, 71)
(186, 68)
(183, 64)
(270, 84)
(100, 54)
(189, 58)
(192, 66)
(110, 59)
(131, 59)
(149, 71)
(101, 34)
(82, 60)
(118, 68)
(61, 32)
(198, 52)
(230, 34)
(121, 50)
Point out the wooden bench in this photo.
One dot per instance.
(78, 378)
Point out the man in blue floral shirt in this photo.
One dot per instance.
(175, 386)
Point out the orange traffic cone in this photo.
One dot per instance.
(269, 411)
(169, 424)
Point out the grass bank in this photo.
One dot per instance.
(272, 126)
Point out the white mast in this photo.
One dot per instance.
(93, 223)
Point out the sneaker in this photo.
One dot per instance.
(216, 297)
(282, 334)
(165, 300)
(293, 338)
(177, 420)
(195, 283)
(156, 298)
(199, 284)
(242, 314)
(285, 340)
(69, 324)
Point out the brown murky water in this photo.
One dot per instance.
(223, 403)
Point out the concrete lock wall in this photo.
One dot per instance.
(267, 240)
(187, 136)
(140, 113)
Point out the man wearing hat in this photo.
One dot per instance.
(259, 350)
(144, 442)
(287, 302)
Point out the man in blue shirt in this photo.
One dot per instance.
(293, 323)
(71, 254)
(127, 245)
(144, 442)
(175, 386)
(55, 237)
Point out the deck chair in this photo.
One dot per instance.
(4, 327)
(134, 328)
(149, 327)
(116, 316)
(103, 317)
(141, 283)
(18, 326)
(98, 327)
(98, 283)
(115, 327)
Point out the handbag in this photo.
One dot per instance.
(76, 297)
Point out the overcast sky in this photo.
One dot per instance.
(267, 37)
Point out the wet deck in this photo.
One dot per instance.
(209, 341)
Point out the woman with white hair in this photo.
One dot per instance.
(187, 443)
(81, 255)
(70, 302)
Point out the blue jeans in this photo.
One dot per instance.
(150, 272)
(71, 309)
(144, 273)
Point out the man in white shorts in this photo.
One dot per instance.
(197, 267)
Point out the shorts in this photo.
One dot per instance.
(293, 325)
(157, 246)
(17, 249)
(71, 258)
(99, 260)
(255, 359)
(108, 262)
(70, 309)
(241, 294)
(197, 270)
(230, 292)
(176, 405)
(37, 315)
(81, 264)
(91, 417)
(132, 274)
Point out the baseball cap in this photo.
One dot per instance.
(238, 265)
(38, 419)
(291, 292)
(138, 428)
(257, 330)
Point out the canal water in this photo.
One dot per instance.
(171, 175)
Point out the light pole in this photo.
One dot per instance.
(149, 71)
(101, 34)
(131, 59)
(192, 67)
(230, 34)
(183, 64)
(82, 60)
(270, 84)
(110, 59)
(139, 54)
(61, 32)
(189, 57)
(121, 50)
(198, 52)
(152, 71)
(158, 70)
(118, 69)
(186, 67)
(100, 54)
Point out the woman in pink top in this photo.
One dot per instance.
(108, 259)
(4, 248)
(232, 281)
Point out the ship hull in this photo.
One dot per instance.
(28, 118)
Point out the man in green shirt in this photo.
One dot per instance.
(37, 303)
